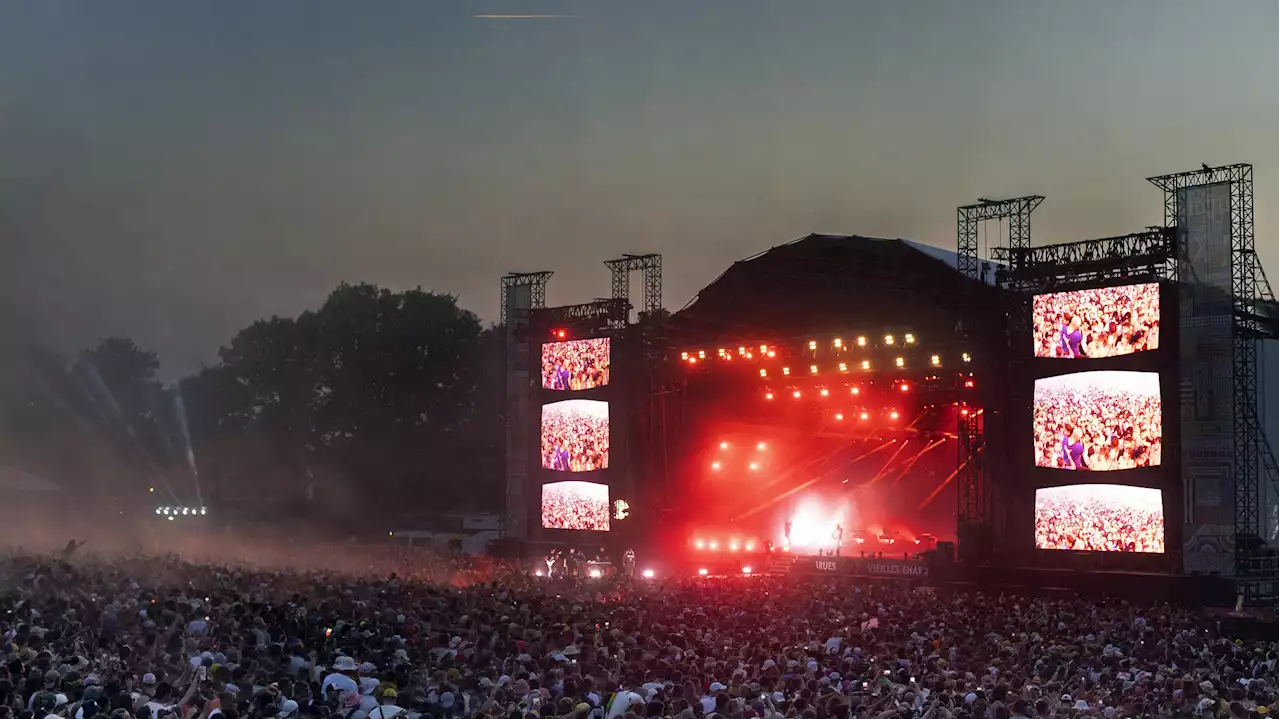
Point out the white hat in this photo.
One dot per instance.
(1082, 705)
(717, 687)
(148, 678)
(344, 664)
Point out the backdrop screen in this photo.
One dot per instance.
(1106, 322)
(1100, 518)
(575, 365)
(575, 505)
(575, 435)
(1098, 421)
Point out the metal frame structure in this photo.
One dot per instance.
(1140, 256)
(975, 497)
(589, 317)
(651, 266)
(514, 519)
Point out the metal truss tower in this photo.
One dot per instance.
(976, 518)
(651, 265)
(1253, 318)
(521, 293)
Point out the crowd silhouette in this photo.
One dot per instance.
(576, 364)
(1094, 428)
(1096, 524)
(1107, 322)
(575, 505)
(575, 436)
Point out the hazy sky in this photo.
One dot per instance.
(172, 171)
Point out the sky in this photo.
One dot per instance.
(173, 171)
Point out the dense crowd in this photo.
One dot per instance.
(1106, 322)
(574, 439)
(1096, 430)
(155, 637)
(1095, 525)
(571, 505)
(575, 365)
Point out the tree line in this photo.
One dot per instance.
(376, 406)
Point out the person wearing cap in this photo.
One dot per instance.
(387, 708)
(342, 678)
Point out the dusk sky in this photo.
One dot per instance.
(172, 171)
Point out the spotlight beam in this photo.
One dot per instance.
(916, 458)
(770, 502)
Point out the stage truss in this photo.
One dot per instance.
(650, 266)
(522, 293)
(976, 514)
(1253, 309)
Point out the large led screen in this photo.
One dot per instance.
(1107, 322)
(1098, 421)
(575, 435)
(1100, 518)
(575, 505)
(575, 365)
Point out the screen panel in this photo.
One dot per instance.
(576, 364)
(1089, 324)
(1098, 421)
(575, 435)
(1100, 518)
(575, 505)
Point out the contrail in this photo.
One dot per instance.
(527, 17)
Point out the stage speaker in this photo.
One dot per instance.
(946, 552)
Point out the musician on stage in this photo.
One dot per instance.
(838, 535)
(629, 563)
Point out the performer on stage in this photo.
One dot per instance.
(838, 535)
(786, 532)
(629, 563)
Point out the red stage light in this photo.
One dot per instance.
(786, 370)
(746, 570)
(824, 392)
(724, 445)
(893, 414)
(699, 544)
(753, 466)
(839, 416)
(751, 546)
(771, 353)
(716, 465)
(968, 383)
(796, 394)
(905, 387)
(844, 367)
(813, 369)
(693, 360)
(702, 572)
(854, 390)
(764, 372)
(560, 334)
(733, 546)
(964, 413)
(760, 446)
(863, 416)
(714, 544)
(768, 395)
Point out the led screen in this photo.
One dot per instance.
(1107, 322)
(575, 435)
(575, 365)
(575, 505)
(1100, 518)
(1099, 421)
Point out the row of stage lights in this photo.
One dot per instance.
(825, 392)
(841, 367)
(173, 512)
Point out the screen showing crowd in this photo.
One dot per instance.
(575, 505)
(1106, 322)
(575, 365)
(1099, 421)
(1100, 518)
(575, 435)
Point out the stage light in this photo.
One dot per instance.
(909, 338)
(693, 360)
(204, 510)
(764, 372)
(561, 334)
(595, 573)
(684, 355)
(772, 353)
(844, 367)
(742, 350)
(900, 362)
(184, 511)
(786, 370)
(796, 394)
(863, 416)
(699, 544)
(171, 518)
(716, 465)
(724, 445)
(893, 414)
(866, 364)
(968, 383)
(151, 489)
(935, 360)
(750, 546)
(753, 466)
(768, 395)
(713, 545)
(862, 341)
(839, 417)
(764, 348)
(917, 541)
(702, 572)
(813, 344)
(746, 570)
(825, 392)
(965, 357)
(157, 510)
(733, 546)
(964, 413)
(813, 369)
(854, 390)
(760, 446)
(888, 339)
(647, 574)
(838, 342)
(537, 572)
(904, 387)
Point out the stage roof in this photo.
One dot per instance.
(824, 283)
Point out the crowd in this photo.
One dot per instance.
(575, 505)
(155, 637)
(1095, 525)
(1096, 430)
(1106, 322)
(575, 365)
(575, 438)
